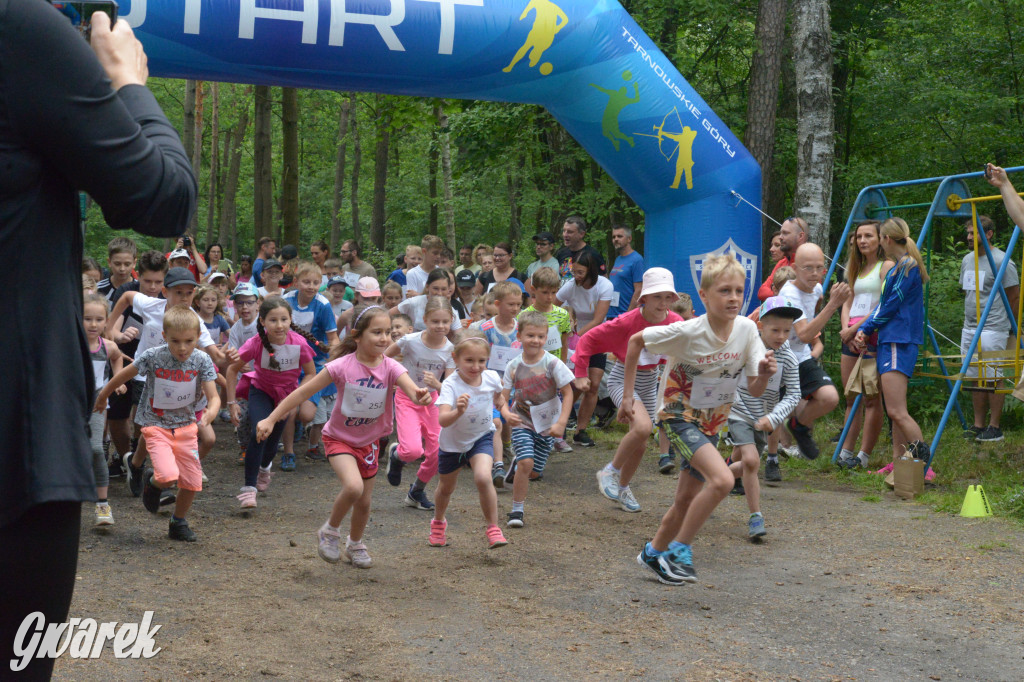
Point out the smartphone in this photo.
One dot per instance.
(80, 13)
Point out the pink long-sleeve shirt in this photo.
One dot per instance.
(613, 337)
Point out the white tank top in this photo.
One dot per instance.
(867, 291)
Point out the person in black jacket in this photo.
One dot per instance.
(71, 118)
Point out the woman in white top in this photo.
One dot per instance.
(590, 295)
(866, 268)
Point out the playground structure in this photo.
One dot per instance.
(586, 61)
(952, 199)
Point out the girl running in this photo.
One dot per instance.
(898, 319)
(467, 436)
(107, 361)
(426, 355)
(361, 416)
(207, 303)
(279, 351)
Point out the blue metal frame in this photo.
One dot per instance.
(938, 203)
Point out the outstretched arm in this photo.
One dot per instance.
(1014, 204)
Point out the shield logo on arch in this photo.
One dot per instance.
(747, 260)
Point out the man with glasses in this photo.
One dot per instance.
(819, 394)
(350, 252)
(543, 245)
(792, 234)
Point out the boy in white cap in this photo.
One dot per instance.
(751, 418)
(656, 298)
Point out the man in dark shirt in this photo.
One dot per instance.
(71, 118)
(574, 234)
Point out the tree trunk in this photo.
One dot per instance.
(290, 166)
(339, 172)
(763, 99)
(197, 151)
(211, 206)
(812, 51)
(357, 162)
(229, 212)
(380, 171)
(432, 159)
(446, 176)
(188, 129)
(263, 181)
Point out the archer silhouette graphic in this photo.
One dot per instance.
(617, 101)
(548, 20)
(684, 147)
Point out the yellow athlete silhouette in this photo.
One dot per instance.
(617, 101)
(549, 20)
(684, 147)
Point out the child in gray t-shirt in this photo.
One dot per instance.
(178, 378)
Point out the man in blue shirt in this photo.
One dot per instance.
(266, 248)
(627, 274)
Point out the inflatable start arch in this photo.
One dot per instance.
(586, 61)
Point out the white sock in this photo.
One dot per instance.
(846, 454)
(753, 514)
(610, 468)
(266, 469)
(623, 489)
(518, 506)
(863, 457)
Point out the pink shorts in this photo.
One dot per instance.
(175, 455)
(366, 456)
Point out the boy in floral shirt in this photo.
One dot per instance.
(706, 357)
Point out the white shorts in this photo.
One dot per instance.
(990, 341)
(645, 388)
(323, 409)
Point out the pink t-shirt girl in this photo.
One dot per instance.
(363, 412)
(291, 355)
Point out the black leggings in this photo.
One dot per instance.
(260, 454)
(38, 560)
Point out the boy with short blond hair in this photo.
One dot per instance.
(683, 306)
(707, 356)
(178, 376)
(416, 278)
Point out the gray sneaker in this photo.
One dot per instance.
(990, 434)
(356, 554)
(627, 501)
(328, 540)
(755, 528)
(772, 471)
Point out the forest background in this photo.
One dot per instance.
(829, 97)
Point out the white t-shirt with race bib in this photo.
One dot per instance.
(476, 421)
(151, 310)
(418, 358)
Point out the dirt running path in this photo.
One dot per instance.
(841, 589)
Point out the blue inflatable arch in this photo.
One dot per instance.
(586, 61)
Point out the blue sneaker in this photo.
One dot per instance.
(680, 561)
(660, 565)
(288, 461)
(417, 499)
(394, 470)
(755, 528)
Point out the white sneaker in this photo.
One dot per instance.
(627, 501)
(247, 497)
(608, 484)
(562, 445)
(356, 554)
(790, 451)
(328, 541)
(104, 517)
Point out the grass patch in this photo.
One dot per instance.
(871, 498)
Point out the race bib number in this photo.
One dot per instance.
(708, 392)
(649, 358)
(861, 305)
(554, 340)
(545, 415)
(479, 410)
(99, 370)
(287, 357)
(501, 356)
(615, 300)
(303, 320)
(363, 402)
(351, 278)
(173, 395)
(436, 368)
(773, 384)
(969, 282)
(153, 336)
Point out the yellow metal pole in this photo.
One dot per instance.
(978, 200)
(977, 283)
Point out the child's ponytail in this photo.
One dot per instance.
(272, 362)
(313, 341)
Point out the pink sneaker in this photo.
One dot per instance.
(356, 554)
(887, 469)
(263, 481)
(495, 538)
(247, 497)
(930, 476)
(438, 538)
